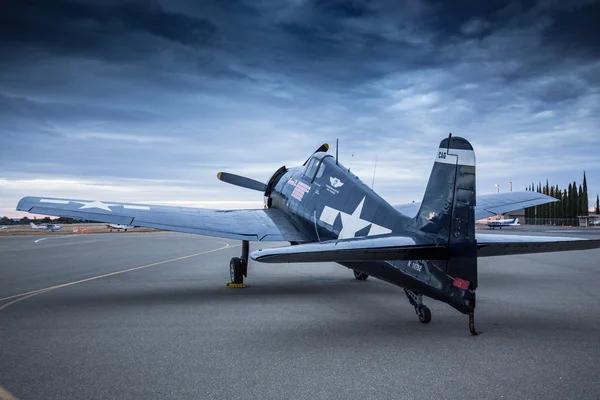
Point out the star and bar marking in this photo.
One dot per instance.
(95, 204)
(351, 223)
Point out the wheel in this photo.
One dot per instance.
(236, 270)
(359, 275)
(424, 314)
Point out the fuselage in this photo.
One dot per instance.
(327, 202)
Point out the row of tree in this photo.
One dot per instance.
(573, 201)
(25, 221)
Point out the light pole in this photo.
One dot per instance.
(510, 186)
(498, 187)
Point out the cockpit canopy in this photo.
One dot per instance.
(315, 167)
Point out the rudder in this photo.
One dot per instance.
(447, 213)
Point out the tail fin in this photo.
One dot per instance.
(32, 225)
(447, 213)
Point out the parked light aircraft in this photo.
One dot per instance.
(119, 227)
(329, 215)
(499, 223)
(46, 227)
(3, 227)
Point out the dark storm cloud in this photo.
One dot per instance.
(574, 30)
(177, 90)
(76, 25)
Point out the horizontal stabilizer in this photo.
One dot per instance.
(390, 248)
(358, 249)
(242, 181)
(489, 205)
(489, 245)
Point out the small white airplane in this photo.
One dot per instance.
(499, 223)
(47, 227)
(119, 227)
(3, 227)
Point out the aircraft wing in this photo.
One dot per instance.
(489, 205)
(404, 248)
(259, 224)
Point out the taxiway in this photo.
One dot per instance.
(149, 316)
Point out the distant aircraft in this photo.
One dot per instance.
(499, 223)
(47, 227)
(3, 227)
(329, 215)
(119, 227)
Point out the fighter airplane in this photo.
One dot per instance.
(499, 223)
(329, 215)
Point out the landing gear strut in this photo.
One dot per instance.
(422, 311)
(238, 267)
(361, 276)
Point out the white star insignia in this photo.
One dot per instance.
(352, 223)
(95, 204)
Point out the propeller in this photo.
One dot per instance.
(324, 147)
(242, 181)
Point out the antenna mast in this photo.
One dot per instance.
(374, 169)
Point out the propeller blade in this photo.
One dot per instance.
(242, 181)
(324, 147)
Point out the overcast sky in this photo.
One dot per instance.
(145, 101)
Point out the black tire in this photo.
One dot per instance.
(360, 276)
(424, 314)
(236, 270)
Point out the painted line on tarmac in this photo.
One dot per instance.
(54, 237)
(5, 395)
(26, 295)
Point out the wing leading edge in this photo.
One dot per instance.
(404, 248)
(253, 225)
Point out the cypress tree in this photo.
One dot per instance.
(585, 201)
(565, 205)
(597, 204)
(569, 210)
(547, 206)
(580, 201)
(574, 202)
(540, 212)
(552, 211)
(558, 205)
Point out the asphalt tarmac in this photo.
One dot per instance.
(168, 327)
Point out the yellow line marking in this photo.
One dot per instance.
(23, 296)
(5, 395)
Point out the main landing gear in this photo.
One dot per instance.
(361, 276)
(238, 267)
(416, 300)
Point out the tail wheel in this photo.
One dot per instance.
(424, 314)
(360, 275)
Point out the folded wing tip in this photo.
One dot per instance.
(22, 204)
